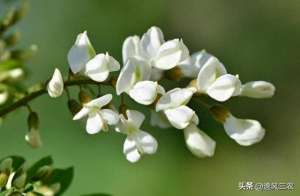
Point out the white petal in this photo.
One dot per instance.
(55, 86)
(135, 70)
(82, 113)
(159, 119)
(170, 54)
(224, 87)
(258, 89)
(191, 67)
(180, 117)
(97, 68)
(110, 116)
(130, 150)
(131, 48)
(210, 71)
(151, 41)
(80, 53)
(135, 117)
(100, 102)
(244, 131)
(174, 98)
(198, 142)
(146, 143)
(126, 78)
(144, 92)
(113, 64)
(94, 123)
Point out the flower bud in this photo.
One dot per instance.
(258, 89)
(20, 180)
(74, 106)
(55, 86)
(44, 173)
(3, 179)
(3, 97)
(6, 166)
(33, 137)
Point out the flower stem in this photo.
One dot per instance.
(29, 97)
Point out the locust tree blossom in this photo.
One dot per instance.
(244, 131)
(154, 50)
(138, 142)
(82, 58)
(214, 81)
(55, 86)
(98, 117)
(173, 104)
(198, 142)
(191, 66)
(134, 80)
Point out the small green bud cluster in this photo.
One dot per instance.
(39, 179)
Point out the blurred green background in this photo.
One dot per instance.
(258, 39)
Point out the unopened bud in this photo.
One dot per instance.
(6, 165)
(20, 180)
(220, 113)
(44, 173)
(74, 106)
(84, 97)
(3, 179)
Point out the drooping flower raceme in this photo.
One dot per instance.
(82, 58)
(55, 86)
(138, 142)
(98, 117)
(173, 104)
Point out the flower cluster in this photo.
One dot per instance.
(148, 60)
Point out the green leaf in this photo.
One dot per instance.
(64, 177)
(36, 166)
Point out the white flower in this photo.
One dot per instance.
(138, 142)
(98, 68)
(258, 89)
(159, 119)
(198, 142)
(3, 96)
(81, 52)
(173, 104)
(191, 67)
(98, 118)
(154, 50)
(214, 81)
(244, 131)
(55, 86)
(33, 138)
(133, 79)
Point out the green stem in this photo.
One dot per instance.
(29, 97)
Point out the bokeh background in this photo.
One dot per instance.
(258, 39)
